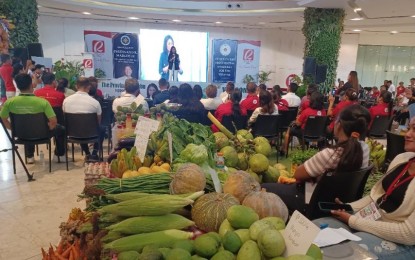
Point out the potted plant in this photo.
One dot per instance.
(248, 78)
(70, 70)
(263, 76)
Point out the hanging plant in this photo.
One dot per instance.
(322, 30)
(23, 14)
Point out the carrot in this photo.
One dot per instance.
(44, 255)
(67, 251)
(75, 252)
(71, 256)
(59, 249)
(58, 256)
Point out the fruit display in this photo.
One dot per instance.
(133, 109)
(377, 153)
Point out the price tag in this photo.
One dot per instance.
(145, 126)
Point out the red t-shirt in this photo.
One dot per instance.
(282, 105)
(336, 111)
(305, 103)
(225, 109)
(302, 118)
(250, 102)
(375, 94)
(378, 110)
(54, 97)
(6, 72)
(99, 93)
(400, 90)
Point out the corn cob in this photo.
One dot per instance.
(145, 224)
(137, 242)
(135, 195)
(147, 206)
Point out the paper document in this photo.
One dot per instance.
(309, 189)
(333, 236)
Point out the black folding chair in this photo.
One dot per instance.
(205, 119)
(314, 130)
(379, 126)
(347, 186)
(39, 133)
(235, 123)
(107, 120)
(190, 116)
(82, 129)
(395, 144)
(268, 127)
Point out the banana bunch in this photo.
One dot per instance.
(126, 160)
(377, 153)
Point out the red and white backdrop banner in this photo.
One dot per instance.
(247, 62)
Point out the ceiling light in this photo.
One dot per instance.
(133, 18)
(413, 16)
(39, 6)
(394, 32)
(357, 30)
(262, 23)
(177, 21)
(356, 19)
(357, 9)
(218, 22)
(86, 13)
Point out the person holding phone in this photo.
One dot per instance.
(174, 64)
(349, 98)
(349, 154)
(392, 236)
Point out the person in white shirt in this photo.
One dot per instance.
(82, 103)
(225, 96)
(391, 87)
(212, 101)
(292, 99)
(266, 107)
(132, 94)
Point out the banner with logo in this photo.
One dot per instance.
(125, 55)
(224, 60)
(88, 63)
(247, 60)
(115, 54)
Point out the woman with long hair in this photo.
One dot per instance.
(349, 154)
(282, 104)
(152, 90)
(349, 98)
(392, 235)
(352, 82)
(191, 109)
(174, 64)
(62, 86)
(230, 108)
(266, 107)
(168, 42)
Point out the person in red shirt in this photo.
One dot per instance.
(316, 109)
(400, 90)
(251, 102)
(349, 98)
(230, 108)
(375, 92)
(6, 71)
(305, 101)
(282, 104)
(383, 107)
(49, 92)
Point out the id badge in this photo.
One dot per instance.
(371, 212)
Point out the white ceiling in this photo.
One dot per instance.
(378, 15)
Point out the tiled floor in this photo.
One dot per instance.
(31, 212)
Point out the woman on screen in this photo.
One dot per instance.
(164, 57)
(174, 64)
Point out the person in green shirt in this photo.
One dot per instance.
(28, 103)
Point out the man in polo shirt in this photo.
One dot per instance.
(6, 71)
(292, 99)
(82, 103)
(163, 95)
(132, 89)
(250, 103)
(49, 92)
(27, 103)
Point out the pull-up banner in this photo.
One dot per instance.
(224, 60)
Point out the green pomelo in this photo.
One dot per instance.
(185, 244)
(196, 257)
(220, 140)
(242, 161)
(206, 245)
(241, 217)
(243, 234)
(225, 227)
(271, 243)
(315, 252)
(257, 227)
(260, 139)
(223, 255)
(258, 163)
(277, 222)
(271, 175)
(178, 254)
(249, 251)
(245, 134)
(216, 236)
(230, 155)
(232, 242)
(263, 148)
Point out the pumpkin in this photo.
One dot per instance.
(240, 184)
(189, 178)
(209, 211)
(266, 204)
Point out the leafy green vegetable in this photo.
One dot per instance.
(195, 153)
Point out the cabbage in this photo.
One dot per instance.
(197, 154)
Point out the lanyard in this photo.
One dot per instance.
(398, 182)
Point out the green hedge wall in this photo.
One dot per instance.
(322, 30)
(23, 14)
